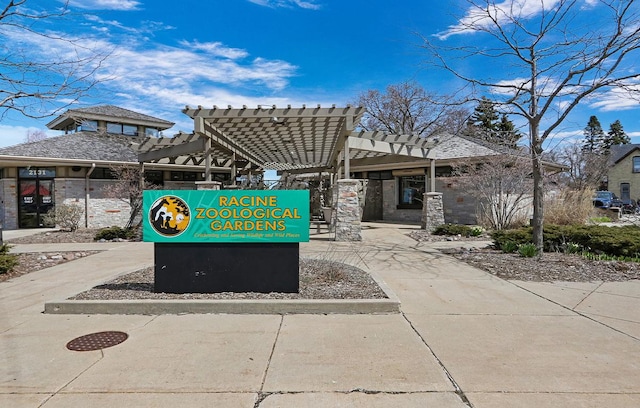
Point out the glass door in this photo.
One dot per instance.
(35, 199)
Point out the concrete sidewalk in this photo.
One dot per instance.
(463, 339)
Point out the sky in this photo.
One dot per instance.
(165, 55)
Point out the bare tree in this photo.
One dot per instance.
(407, 109)
(587, 169)
(128, 185)
(35, 136)
(502, 188)
(33, 84)
(551, 62)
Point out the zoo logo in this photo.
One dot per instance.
(169, 216)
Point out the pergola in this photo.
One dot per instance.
(293, 139)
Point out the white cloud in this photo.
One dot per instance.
(478, 17)
(617, 99)
(216, 49)
(310, 5)
(125, 5)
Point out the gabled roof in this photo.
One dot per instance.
(107, 113)
(619, 152)
(87, 146)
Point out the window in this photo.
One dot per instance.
(103, 173)
(636, 164)
(129, 130)
(88, 126)
(151, 132)
(380, 175)
(154, 177)
(115, 128)
(121, 129)
(411, 190)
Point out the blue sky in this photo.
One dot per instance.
(169, 54)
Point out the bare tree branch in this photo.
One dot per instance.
(555, 62)
(34, 84)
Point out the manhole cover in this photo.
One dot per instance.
(97, 341)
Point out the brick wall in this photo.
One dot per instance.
(459, 208)
(9, 200)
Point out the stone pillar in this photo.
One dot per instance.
(208, 185)
(432, 211)
(347, 211)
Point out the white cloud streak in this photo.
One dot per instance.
(484, 13)
(309, 5)
(124, 5)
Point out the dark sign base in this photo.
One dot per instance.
(226, 267)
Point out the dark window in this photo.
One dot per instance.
(152, 132)
(380, 175)
(190, 176)
(154, 177)
(411, 189)
(636, 164)
(103, 173)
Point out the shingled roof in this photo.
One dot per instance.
(78, 146)
(619, 152)
(107, 112)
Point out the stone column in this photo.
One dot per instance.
(208, 185)
(347, 217)
(432, 211)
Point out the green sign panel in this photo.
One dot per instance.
(225, 216)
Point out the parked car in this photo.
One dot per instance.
(606, 199)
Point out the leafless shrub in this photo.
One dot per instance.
(66, 216)
(502, 187)
(569, 207)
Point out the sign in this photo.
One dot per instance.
(35, 172)
(225, 216)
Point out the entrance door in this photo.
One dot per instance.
(625, 192)
(35, 199)
(373, 201)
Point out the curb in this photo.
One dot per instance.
(155, 307)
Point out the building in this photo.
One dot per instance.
(229, 145)
(77, 167)
(623, 177)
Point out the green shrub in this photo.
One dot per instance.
(114, 232)
(476, 231)
(453, 229)
(528, 250)
(518, 236)
(616, 241)
(572, 248)
(7, 261)
(509, 247)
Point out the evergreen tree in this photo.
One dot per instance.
(593, 136)
(615, 136)
(485, 123)
(484, 115)
(507, 132)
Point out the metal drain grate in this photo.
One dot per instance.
(97, 341)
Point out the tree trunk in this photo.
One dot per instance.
(538, 185)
